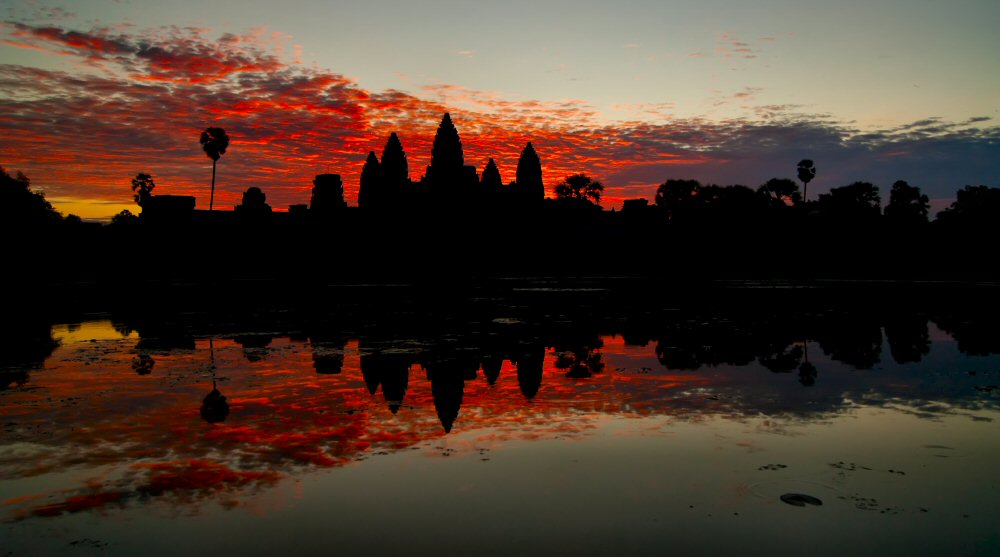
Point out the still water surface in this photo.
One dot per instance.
(268, 442)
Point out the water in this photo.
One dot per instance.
(504, 435)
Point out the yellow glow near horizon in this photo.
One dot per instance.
(95, 209)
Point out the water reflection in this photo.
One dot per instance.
(317, 394)
(27, 345)
(143, 364)
(214, 408)
(388, 371)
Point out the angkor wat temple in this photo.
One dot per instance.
(448, 181)
(448, 184)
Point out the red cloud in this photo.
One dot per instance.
(86, 44)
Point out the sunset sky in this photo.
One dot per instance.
(632, 93)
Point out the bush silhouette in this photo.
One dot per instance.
(19, 206)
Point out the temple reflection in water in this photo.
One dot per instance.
(188, 411)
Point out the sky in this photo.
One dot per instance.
(631, 93)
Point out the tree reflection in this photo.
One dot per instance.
(579, 357)
(782, 358)
(807, 371)
(688, 346)
(214, 408)
(909, 340)
(26, 346)
(143, 364)
(855, 340)
(976, 333)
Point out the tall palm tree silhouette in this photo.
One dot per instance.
(214, 141)
(806, 173)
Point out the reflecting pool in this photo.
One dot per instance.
(801, 433)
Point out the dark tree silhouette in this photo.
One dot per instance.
(677, 198)
(729, 203)
(906, 204)
(371, 180)
(214, 142)
(21, 206)
(124, 218)
(491, 182)
(580, 187)
(973, 206)
(142, 187)
(781, 191)
(807, 171)
(529, 176)
(859, 200)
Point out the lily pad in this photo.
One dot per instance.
(800, 499)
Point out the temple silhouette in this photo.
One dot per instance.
(548, 342)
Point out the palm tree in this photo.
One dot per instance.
(214, 141)
(806, 173)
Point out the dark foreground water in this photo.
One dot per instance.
(501, 436)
